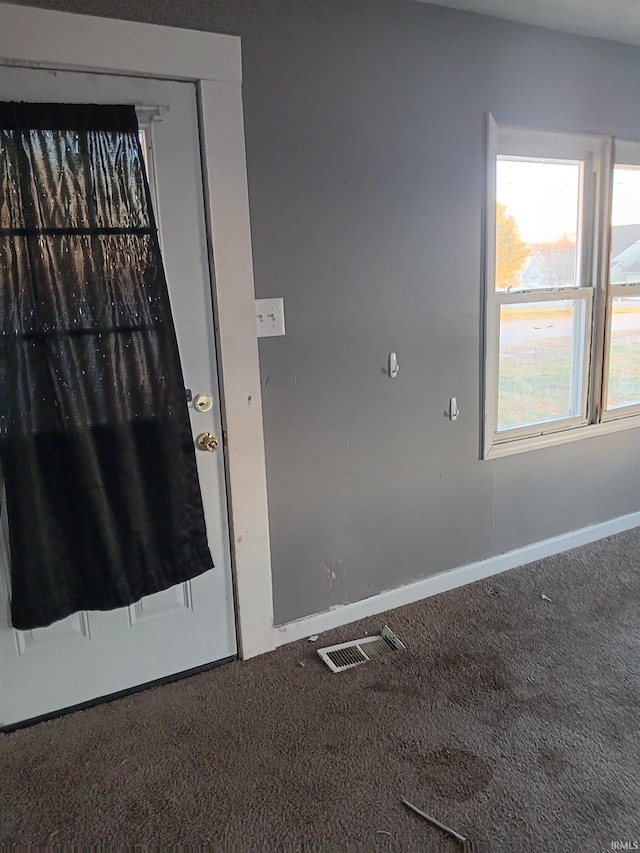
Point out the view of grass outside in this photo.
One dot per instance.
(624, 362)
(536, 353)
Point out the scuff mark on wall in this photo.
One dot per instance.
(279, 380)
(335, 573)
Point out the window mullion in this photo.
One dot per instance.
(599, 270)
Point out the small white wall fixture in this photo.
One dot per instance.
(64, 41)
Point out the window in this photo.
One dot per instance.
(146, 117)
(622, 369)
(562, 336)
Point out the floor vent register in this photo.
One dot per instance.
(347, 655)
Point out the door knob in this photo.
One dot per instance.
(207, 441)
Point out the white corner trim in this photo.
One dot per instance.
(62, 41)
(434, 585)
(65, 40)
(226, 200)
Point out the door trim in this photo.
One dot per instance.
(64, 41)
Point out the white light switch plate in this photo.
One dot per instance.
(270, 317)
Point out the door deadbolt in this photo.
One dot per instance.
(207, 441)
(203, 402)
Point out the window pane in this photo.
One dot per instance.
(624, 355)
(541, 362)
(537, 223)
(624, 265)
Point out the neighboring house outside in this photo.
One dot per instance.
(623, 236)
(555, 267)
(549, 268)
(625, 268)
(625, 254)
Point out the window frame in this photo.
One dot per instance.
(147, 117)
(592, 287)
(625, 153)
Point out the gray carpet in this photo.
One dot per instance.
(512, 719)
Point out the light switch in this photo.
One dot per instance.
(270, 317)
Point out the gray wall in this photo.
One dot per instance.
(365, 135)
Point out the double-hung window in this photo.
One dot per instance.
(562, 335)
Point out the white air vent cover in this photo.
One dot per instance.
(345, 655)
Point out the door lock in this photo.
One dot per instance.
(203, 402)
(207, 441)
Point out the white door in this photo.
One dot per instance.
(94, 654)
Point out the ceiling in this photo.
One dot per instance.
(618, 20)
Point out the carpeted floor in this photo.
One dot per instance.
(513, 719)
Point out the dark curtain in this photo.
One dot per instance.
(103, 499)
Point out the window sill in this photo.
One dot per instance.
(536, 442)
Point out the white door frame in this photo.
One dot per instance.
(61, 40)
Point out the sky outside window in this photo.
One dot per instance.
(626, 195)
(542, 197)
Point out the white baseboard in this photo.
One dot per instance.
(343, 614)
